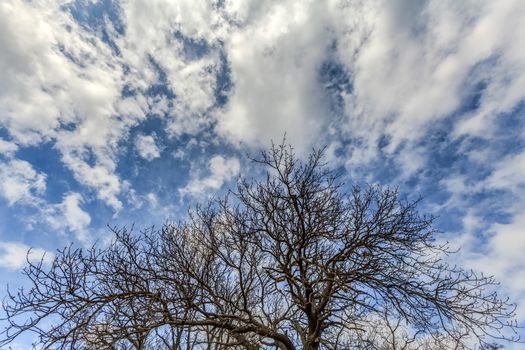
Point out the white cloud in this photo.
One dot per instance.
(59, 74)
(20, 183)
(414, 64)
(147, 147)
(496, 248)
(97, 176)
(71, 216)
(7, 148)
(274, 60)
(152, 199)
(274, 51)
(413, 70)
(45, 88)
(409, 64)
(501, 256)
(150, 35)
(509, 173)
(220, 170)
(14, 255)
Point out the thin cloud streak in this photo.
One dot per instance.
(145, 106)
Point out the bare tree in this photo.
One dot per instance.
(293, 261)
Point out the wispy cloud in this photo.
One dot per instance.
(14, 255)
(220, 170)
(140, 104)
(147, 147)
(20, 183)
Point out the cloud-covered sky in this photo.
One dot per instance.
(120, 112)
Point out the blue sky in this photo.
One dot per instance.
(120, 112)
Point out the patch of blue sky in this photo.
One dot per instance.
(192, 48)
(509, 128)
(140, 172)
(5, 214)
(444, 154)
(224, 82)
(161, 87)
(93, 16)
(335, 78)
(336, 81)
(25, 225)
(4, 134)
(448, 158)
(99, 212)
(26, 222)
(504, 138)
(166, 174)
(15, 224)
(45, 158)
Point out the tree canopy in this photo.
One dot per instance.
(295, 260)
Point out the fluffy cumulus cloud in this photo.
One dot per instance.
(220, 170)
(147, 147)
(7, 148)
(62, 84)
(20, 182)
(275, 59)
(422, 61)
(15, 255)
(112, 110)
(68, 216)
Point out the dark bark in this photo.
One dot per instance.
(294, 261)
